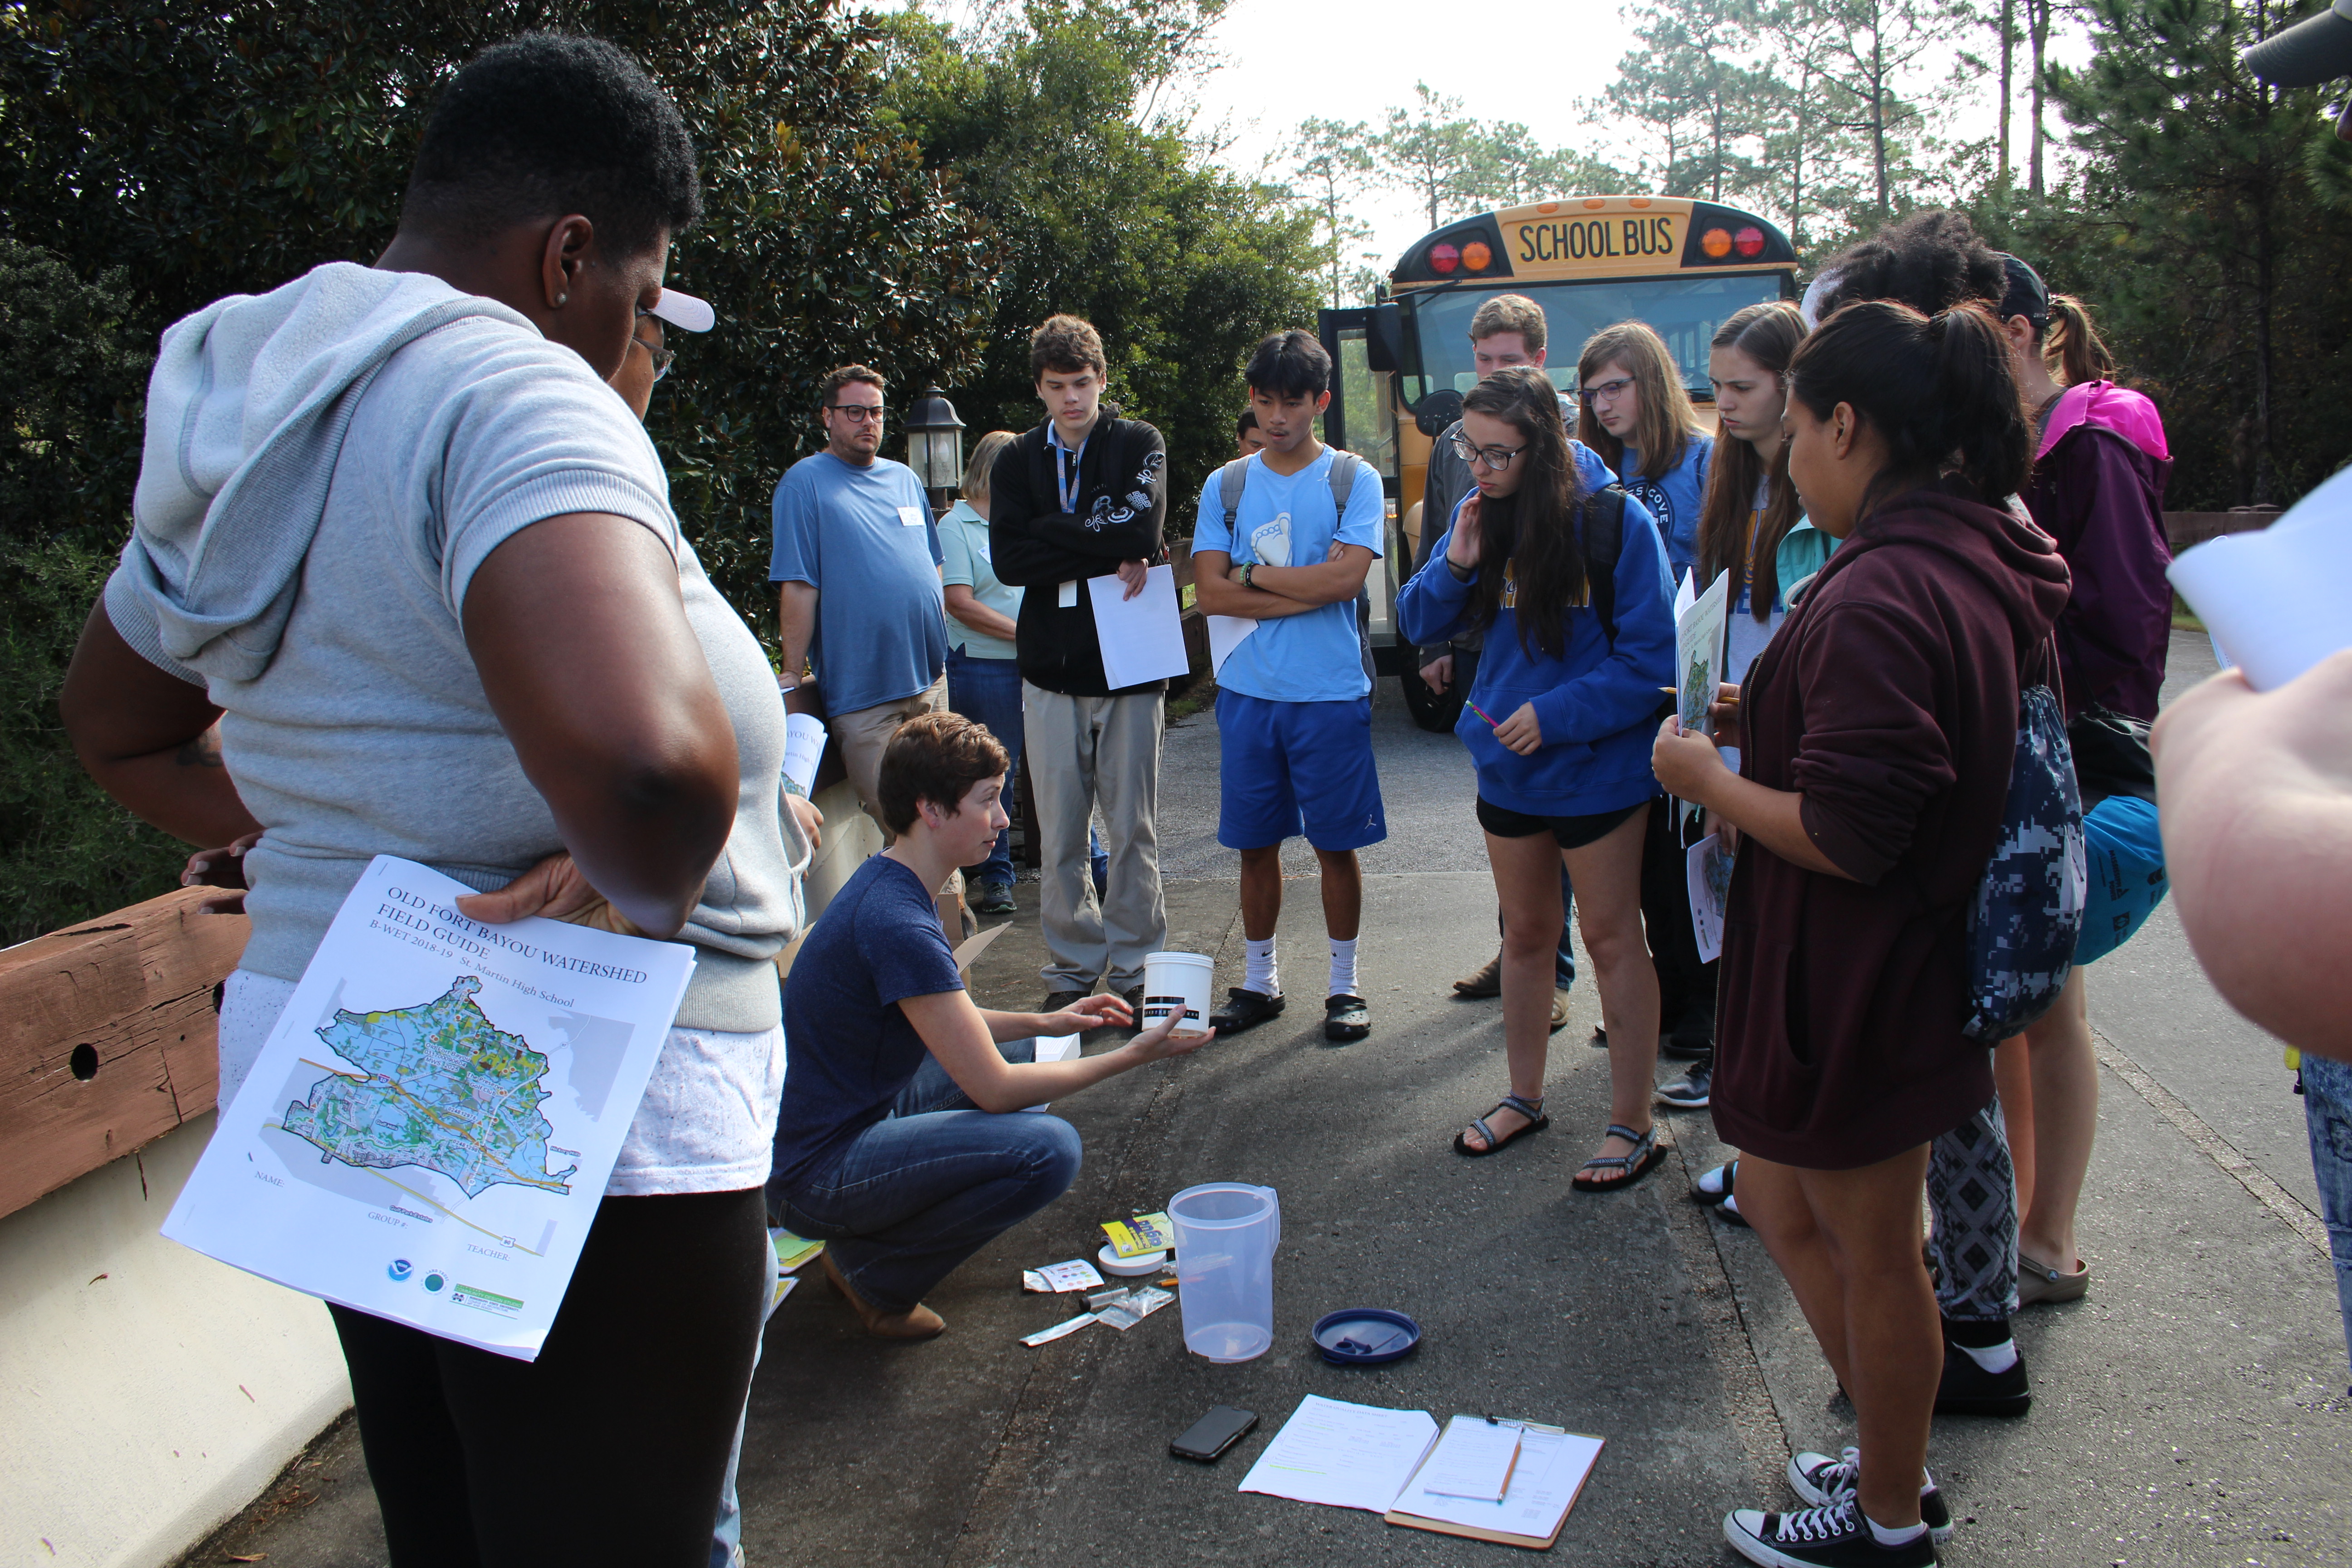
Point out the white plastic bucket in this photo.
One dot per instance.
(1225, 1236)
(1175, 981)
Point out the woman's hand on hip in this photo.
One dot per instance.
(555, 888)
(1522, 732)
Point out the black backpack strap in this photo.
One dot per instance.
(1604, 538)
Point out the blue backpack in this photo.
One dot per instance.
(2028, 912)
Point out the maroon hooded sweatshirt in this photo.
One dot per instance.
(1889, 698)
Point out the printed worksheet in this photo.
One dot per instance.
(1343, 1455)
(428, 1132)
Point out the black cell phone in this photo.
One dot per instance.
(1214, 1433)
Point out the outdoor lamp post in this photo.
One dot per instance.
(935, 446)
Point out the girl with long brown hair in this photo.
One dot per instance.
(1633, 410)
(1879, 729)
(1570, 591)
(1753, 526)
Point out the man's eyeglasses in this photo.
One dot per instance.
(858, 413)
(1607, 391)
(662, 357)
(1496, 457)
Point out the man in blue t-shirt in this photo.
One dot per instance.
(1293, 696)
(856, 569)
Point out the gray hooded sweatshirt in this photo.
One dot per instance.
(326, 467)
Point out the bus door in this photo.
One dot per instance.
(1361, 418)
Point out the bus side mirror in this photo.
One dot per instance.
(1388, 340)
(1435, 412)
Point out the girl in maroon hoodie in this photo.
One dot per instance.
(1879, 728)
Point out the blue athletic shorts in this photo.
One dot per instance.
(1287, 768)
(2126, 856)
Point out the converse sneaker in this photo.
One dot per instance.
(1821, 1481)
(1832, 1537)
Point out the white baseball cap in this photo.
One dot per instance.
(685, 310)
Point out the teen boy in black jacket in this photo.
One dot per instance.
(1081, 497)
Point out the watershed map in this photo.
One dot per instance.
(441, 1087)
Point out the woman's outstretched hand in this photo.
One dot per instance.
(1089, 1013)
(1162, 1041)
(555, 889)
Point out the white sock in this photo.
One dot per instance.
(1926, 1481)
(1899, 1537)
(1994, 1358)
(1343, 968)
(1261, 977)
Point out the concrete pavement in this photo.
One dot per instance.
(2191, 1411)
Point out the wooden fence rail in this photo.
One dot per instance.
(109, 1035)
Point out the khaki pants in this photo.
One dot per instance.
(1082, 749)
(862, 736)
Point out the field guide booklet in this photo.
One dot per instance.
(428, 1132)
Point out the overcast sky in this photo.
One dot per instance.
(1282, 62)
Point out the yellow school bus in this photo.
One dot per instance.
(1401, 365)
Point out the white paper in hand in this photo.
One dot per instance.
(428, 1132)
(1708, 866)
(2276, 598)
(1143, 637)
(1227, 633)
(803, 748)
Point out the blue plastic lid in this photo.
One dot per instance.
(1365, 1336)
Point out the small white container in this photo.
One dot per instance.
(1174, 980)
(1136, 1268)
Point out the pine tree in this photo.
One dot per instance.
(2214, 236)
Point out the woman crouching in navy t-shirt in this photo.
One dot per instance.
(893, 1145)
(1559, 721)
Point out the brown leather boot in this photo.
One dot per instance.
(917, 1322)
(1487, 982)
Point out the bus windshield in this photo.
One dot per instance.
(1684, 310)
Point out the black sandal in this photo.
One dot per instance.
(1638, 1162)
(1531, 1110)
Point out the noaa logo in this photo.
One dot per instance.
(433, 1282)
(400, 1269)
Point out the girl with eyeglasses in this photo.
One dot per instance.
(1633, 411)
(1570, 589)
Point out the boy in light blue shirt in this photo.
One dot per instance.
(1294, 697)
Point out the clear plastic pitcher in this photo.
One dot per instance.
(1225, 1236)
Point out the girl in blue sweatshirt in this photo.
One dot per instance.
(1559, 721)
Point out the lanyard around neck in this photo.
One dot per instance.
(1066, 474)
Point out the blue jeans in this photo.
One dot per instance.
(988, 691)
(2328, 1114)
(727, 1532)
(910, 1198)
